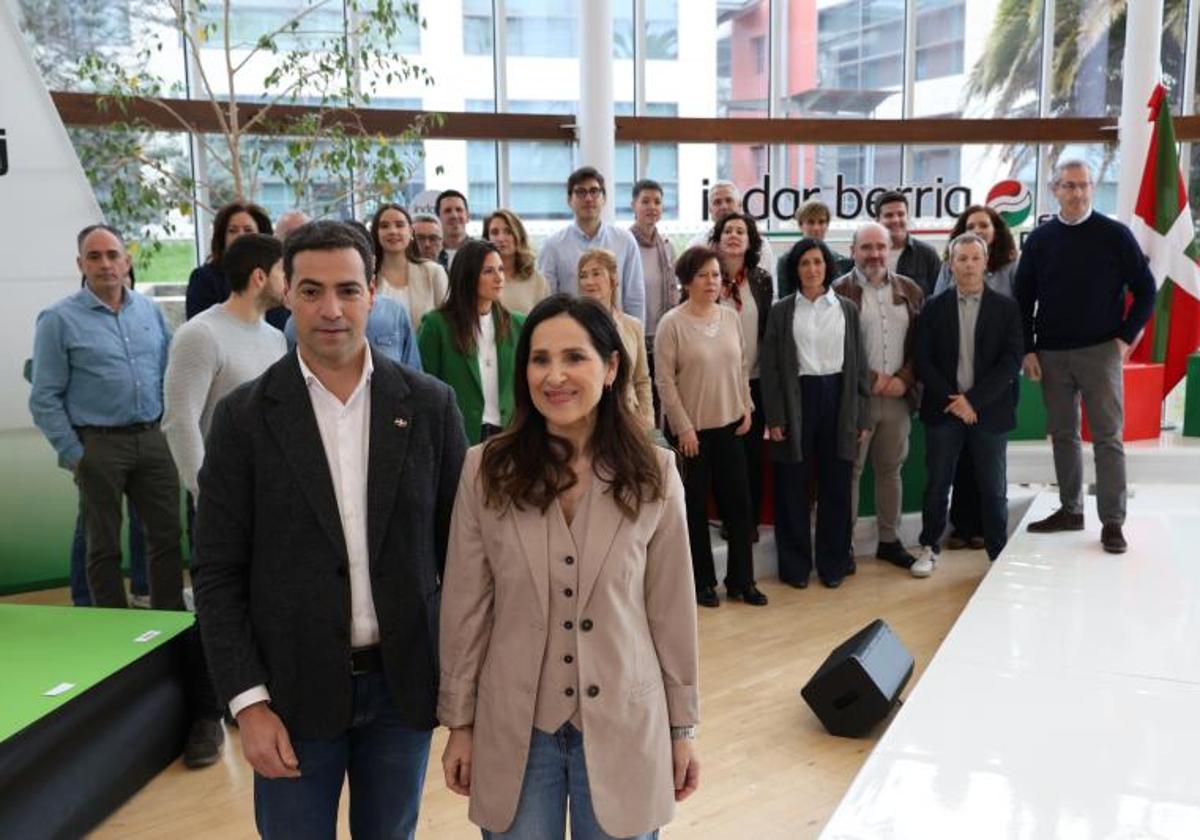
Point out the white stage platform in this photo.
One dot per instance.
(1171, 459)
(1064, 703)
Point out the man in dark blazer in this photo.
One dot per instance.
(325, 500)
(967, 355)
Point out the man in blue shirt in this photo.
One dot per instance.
(1071, 286)
(98, 362)
(559, 259)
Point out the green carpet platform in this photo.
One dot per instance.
(92, 706)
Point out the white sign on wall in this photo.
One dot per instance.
(45, 200)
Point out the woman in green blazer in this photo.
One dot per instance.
(469, 341)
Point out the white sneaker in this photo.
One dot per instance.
(141, 602)
(923, 568)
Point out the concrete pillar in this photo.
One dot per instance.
(596, 125)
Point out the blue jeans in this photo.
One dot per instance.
(943, 443)
(81, 596)
(385, 760)
(555, 774)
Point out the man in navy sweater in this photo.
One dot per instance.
(1071, 286)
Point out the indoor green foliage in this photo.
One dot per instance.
(332, 56)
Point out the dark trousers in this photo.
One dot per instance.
(81, 596)
(136, 464)
(943, 443)
(653, 384)
(721, 468)
(820, 402)
(384, 759)
(966, 514)
(752, 442)
(820, 398)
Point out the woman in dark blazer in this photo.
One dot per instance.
(207, 285)
(746, 287)
(816, 396)
(469, 341)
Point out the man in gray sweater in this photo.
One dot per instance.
(212, 354)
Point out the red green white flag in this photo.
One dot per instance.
(1162, 225)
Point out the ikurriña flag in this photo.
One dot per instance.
(1162, 225)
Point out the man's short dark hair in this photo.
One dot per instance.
(90, 229)
(326, 235)
(646, 184)
(584, 173)
(246, 253)
(444, 194)
(889, 197)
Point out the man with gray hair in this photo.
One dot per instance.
(724, 198)
(967, 354)
(427, 233)
(288, 222)
(889, 304)
(1071, 286)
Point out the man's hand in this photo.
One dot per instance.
(778, 434)
(895, 387)
(689, 444)
(961, 408)
(879, 381)
(687, 768)
(744, 426)
(266, 744)
(1124, 348)
(862, 434)
(456, 760)
(1032, 367)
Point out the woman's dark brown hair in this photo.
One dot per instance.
(216, 249)
(689, 264)
(1003, 249)
(461, 308)
(527, 465)
(412, 252)
(753, 237)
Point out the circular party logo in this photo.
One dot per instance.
(1012, 200)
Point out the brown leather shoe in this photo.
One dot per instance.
(1060, 520)
(955, 543)
(1112, 539)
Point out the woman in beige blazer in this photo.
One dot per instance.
(568, 617)
(400, 270)
(597, 276)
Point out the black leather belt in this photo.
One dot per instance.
(366, 660)
(132, 428)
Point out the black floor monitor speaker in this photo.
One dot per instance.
(858, 684)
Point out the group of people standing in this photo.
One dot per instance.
(362, 575)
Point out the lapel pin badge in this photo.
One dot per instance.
(401, 423)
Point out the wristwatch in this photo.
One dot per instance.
(683, 733)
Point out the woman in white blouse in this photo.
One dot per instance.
(401, 272)
(816, 397)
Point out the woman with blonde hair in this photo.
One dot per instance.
(401, 273)
(524, 285)
(598, 281)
